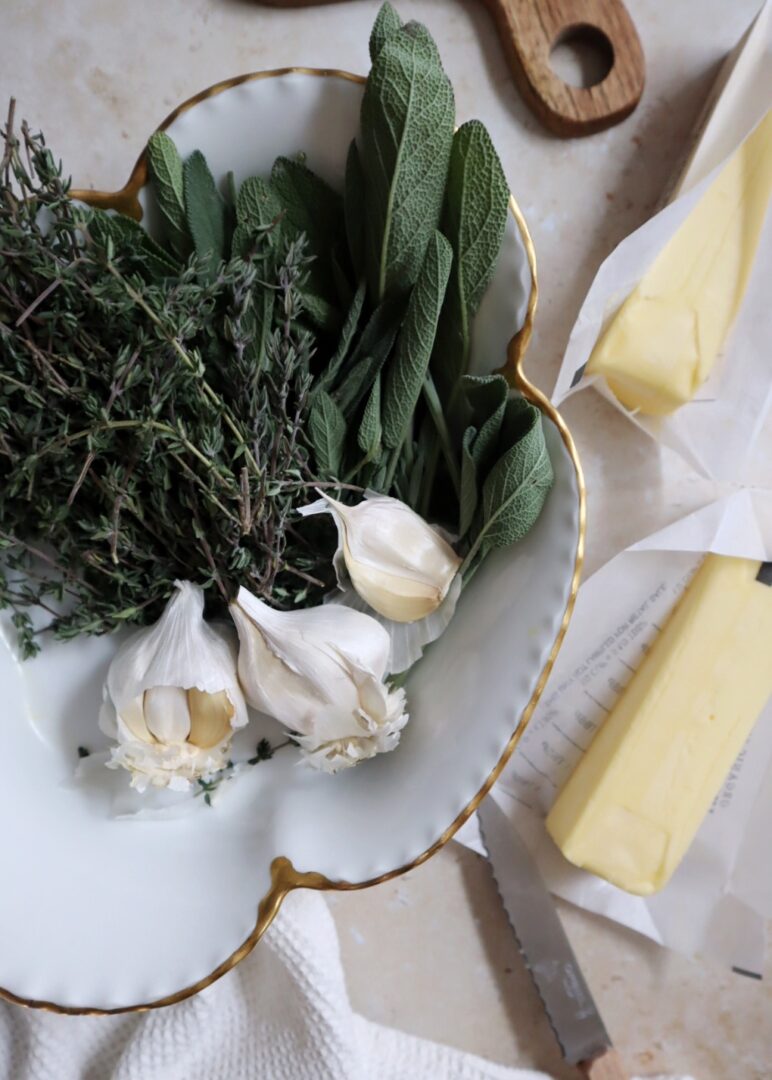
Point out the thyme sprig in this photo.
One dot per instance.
(152, 413)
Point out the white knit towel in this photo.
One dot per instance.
(283, 1014)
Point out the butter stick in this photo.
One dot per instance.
(664, 340)
(631, 808)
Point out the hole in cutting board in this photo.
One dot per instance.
(582, 55)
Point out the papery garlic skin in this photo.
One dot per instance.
(319, 672)
(396, 561)
(172, 699)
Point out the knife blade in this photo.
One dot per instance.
(547, 952)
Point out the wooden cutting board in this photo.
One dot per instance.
(530, 30)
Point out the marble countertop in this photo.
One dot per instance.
(431, 952)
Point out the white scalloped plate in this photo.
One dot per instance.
(105, 914)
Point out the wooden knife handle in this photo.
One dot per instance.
(606, 1066)
(530, 29)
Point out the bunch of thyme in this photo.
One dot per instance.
(152, 415)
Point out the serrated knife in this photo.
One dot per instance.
(546, 950)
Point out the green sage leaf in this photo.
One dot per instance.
(320, 312)
(406, 124)
(166, 170)
(122, 230)
(370, 434)
(354, 210)
(408, 370)
(516, 487)
(258, 213)
(387, 24)
(340, 264)
(370, 354)
(261, 328)
(328, 378)
(474, 218)
(486, 398)
(205, 212)
(469, 494)
(327, 428)
(311, 207)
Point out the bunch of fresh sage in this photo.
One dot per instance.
(395, 409)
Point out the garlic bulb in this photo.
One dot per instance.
(172, 698)
(397, 562)
(319, 671)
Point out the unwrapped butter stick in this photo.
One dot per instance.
(632, 806)
(663, 342)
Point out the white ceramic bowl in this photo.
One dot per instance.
(104, 914)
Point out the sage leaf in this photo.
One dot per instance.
(370, 434)
(370, 354)
(230, 189)
(166, 170)
(474, 218)
(515, 489)
(205, 213)
(486, 397)
(320, 312)
(119, 229)
(261, 328)
(341, 275)
(359, 379)
(258, 213)
(355, 212)
(311, 207)
(406, 126)
(387, 24)
(408, 370)
(417, 472)
(328, 378)
(327, 429)
(469, 493)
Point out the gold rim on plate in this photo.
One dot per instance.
(284, 876)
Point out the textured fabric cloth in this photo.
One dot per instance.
(282, 1014)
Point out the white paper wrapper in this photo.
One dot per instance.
(717, 431)
(716, 902)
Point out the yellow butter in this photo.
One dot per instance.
(663, 342)
(632, 806)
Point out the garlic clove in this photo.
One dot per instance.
(210, 718)
(166, 713)
(397, 598)
(398, 563)
(133, 717)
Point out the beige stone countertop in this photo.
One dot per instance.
(432, 952)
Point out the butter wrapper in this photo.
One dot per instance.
(718, 431)
(718, 899)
